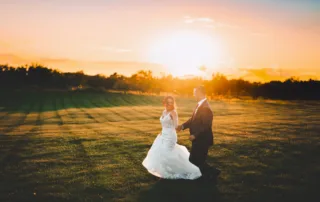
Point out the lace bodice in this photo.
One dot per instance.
(167, 122)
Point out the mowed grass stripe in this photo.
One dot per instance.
(13, 164)
(132, 101)
(75, 143)
(17, 139)
(80, 108)
(115, 100)
(15, 148)
(134, 124)
(123, 162)
(32, 121)
(8, 106)
(89, 113)
(127, 113)
(151, 125)
(88, 128)
(119, 126)
(261, 157)
(11, 145)
(102, 115)
(143, 110)
(111, 115)
(126, 159)
(129, 162)
(68, 116)
(76, 112)
(98, 112)
(116, 115)
(137, 113)
(12, 110)
(16, 119)
(33, 117)
(50, 120)
(48, 110)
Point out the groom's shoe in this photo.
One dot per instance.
(216, 172)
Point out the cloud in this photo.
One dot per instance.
(89, 67)
(56, 60)
(208, 22)
(12, 59)
(272, 74)
(263, 74)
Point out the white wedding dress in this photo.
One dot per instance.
(167, 159)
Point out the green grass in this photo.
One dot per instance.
(89, 147)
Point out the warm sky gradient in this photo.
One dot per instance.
(255, 39)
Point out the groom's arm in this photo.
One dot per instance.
(186, 124)
(206, 119)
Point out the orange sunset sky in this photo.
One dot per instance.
(258, 40)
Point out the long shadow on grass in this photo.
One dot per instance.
(180, 190)
(47, 169)
(263, 170)
(268, 170)
(12, 101)
(34, 168)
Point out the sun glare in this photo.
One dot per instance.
(183, 53)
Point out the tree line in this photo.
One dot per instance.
(40, 77)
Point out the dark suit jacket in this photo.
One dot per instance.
(200, 124)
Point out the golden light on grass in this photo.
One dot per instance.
(72, 145)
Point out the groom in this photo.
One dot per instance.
(200, 127)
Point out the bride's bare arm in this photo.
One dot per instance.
(174, 117)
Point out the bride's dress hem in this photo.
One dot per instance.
(169, 160)
(190, 176)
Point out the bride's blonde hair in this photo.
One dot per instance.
(166, 98)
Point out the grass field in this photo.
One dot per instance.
(89, 147)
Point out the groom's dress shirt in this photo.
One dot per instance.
(199, 104)
(195, 111)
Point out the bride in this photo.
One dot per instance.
(167, 159)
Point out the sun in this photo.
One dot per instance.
(185, 52)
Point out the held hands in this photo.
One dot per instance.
(179, 128)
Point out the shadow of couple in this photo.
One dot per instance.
(181, 190)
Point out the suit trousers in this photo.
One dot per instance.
(198, 155)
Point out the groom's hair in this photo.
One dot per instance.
(201, 89)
